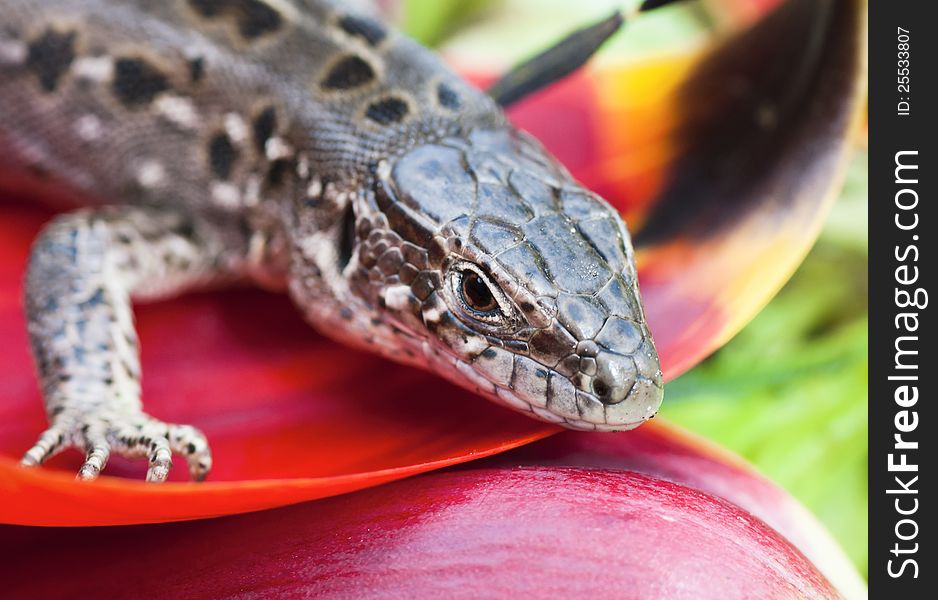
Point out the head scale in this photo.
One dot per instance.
(482, 258)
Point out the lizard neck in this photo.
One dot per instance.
(324, 245)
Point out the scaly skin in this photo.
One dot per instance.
(302, 145)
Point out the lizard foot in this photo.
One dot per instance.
(132, 436)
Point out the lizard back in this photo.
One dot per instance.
(214, 104)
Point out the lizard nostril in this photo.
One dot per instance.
(615, 376)
(600, 389)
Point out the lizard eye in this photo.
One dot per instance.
(476, 293)
(478, 296)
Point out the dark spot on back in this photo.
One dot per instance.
(50, 56)
(185, 229)
(222, 155)
(209, 9)
(137, 82)
(253, 17)
(265, 124)
(387, 111)
(348, 73)
(278, 171)
(448, 97)
(196, 69)
(368, 29)
(257, 18)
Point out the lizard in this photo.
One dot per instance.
(304, 146)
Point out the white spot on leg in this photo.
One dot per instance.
(151, 174)
(302, 166)
(226, 194)
(177, 110)
(12, 52)
(93, 68)
(384, 170)
(252, 191)
(315, 188)
(276, 148)
(88, 127)
(236, 127)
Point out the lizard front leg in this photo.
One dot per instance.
(83, 270)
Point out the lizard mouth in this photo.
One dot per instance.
(524, 385)
(573, 400)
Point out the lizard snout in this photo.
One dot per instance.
(615, 377)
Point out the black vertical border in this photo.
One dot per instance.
(890, 133)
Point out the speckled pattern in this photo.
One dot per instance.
(301, 145)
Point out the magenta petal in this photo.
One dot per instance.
(547, 532)
(662, 450)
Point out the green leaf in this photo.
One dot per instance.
(432, 21)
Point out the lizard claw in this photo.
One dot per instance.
(161, 460)
(135, 436)
(50, 442)
(191, 443)
(95, 459)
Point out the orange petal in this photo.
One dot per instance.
(762, 130)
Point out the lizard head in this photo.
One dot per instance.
(482, 259)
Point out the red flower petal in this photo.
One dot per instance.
(733, 13)
(665, 451)
(542, 532)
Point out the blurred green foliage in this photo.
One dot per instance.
(789, 392)
(432, 21)
(501, 33)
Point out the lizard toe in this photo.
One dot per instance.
(97, 453)
(191, 443)
(51, 442)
